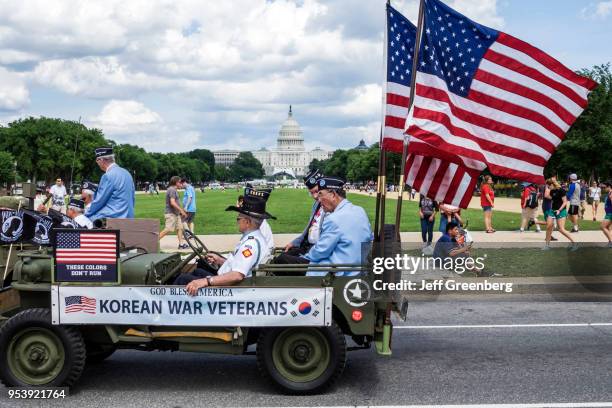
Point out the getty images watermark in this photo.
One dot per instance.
(414, 265)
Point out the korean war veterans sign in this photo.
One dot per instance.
(172, 306)
(86, 255)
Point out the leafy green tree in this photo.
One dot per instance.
(221, 173)
(204, 156)
(137, 161)
(586, 149)
(47, 148)
(245, 167)
(7, 170)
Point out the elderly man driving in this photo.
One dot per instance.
(249, 252)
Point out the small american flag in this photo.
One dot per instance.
(432, 172)
(85, 248)
(80, 304)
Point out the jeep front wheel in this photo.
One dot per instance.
(302, 360)
(33, 352)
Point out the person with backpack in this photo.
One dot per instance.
(529, 205)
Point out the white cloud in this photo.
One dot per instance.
(223, 71)
(126, 117)
(600, 10)
(14, 94)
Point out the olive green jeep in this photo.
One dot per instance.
(299, 325)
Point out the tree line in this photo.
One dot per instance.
(46, 148)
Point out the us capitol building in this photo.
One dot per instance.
(288, 157)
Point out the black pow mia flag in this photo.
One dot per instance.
(37, 227)
(11, 227)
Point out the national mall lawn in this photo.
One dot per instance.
(292, 209)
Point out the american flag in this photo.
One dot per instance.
(80, 304)
(432, 172)
(490, 99)
(87, 248)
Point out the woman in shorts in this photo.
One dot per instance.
(594, 198)
(606, 224)
(487, 196)
(558, 212)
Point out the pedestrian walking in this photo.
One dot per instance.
(594, 198)
(529, 207)
(546, 206)
(606, 224)
(584, 187)
(427, 214)
(558, 211)
(573, 195)
(487, 198)
(173, 213)
(189, 205)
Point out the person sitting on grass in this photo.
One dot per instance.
(449, 247)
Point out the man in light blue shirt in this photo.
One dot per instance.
(189, 204)
(345, 229)
(116, 195)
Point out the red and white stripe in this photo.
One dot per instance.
(520, 105)
(431, 172)
(95, 248)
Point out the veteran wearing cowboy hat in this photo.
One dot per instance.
(250, 251)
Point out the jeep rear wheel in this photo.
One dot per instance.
(302, 360)
(33, 352)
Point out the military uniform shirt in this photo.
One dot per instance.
(115, 196)
(250, 252)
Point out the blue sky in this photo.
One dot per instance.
(174, 76)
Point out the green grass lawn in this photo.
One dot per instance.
(292, 208)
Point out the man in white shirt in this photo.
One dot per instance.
(250, 251)
(76, 209)
(58, 195)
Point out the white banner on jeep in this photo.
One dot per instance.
(172, 306)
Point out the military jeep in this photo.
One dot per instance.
(42, 344)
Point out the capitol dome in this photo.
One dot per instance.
(290, 135)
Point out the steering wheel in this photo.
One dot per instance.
(199, 249)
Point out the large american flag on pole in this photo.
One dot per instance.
(490, 99)
(432, 172)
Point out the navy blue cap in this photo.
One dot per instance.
(330, 183)
(75, 202)
(88, 185)
(103, 151)
(311, 178)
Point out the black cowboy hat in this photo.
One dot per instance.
(252, 206)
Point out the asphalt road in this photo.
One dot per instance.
(495, 352)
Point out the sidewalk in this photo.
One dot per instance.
(227, 242)
(501, 204)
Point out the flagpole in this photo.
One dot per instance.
(381, 193)
(415, 60)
